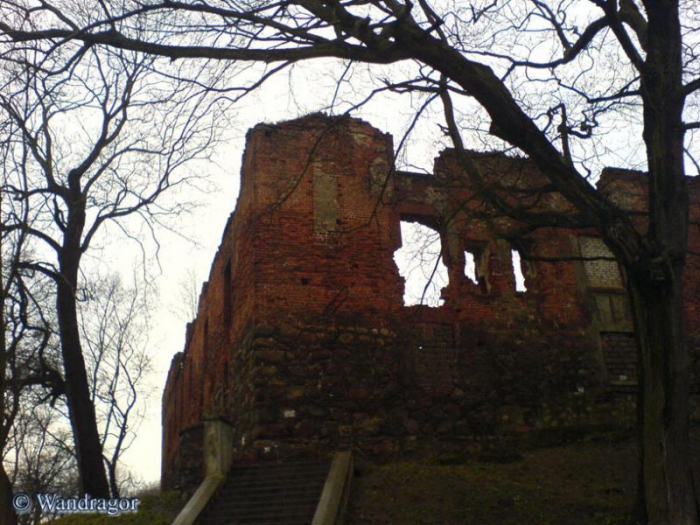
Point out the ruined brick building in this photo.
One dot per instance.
(303, 345)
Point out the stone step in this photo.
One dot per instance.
(278, 476)
(237, 483)
(279, 514)
(254, 507)
(280, 494)
(252, 496)
(262, 521)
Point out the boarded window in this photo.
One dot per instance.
(613, 309)
(325, 199)
(602, 271)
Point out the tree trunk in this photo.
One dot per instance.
(93, 479)
(666, 491)
(655, 283)
(82, 412)
(112, 470)
(7, 512)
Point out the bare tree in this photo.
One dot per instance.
(6, 511)
(487, 52)
(188, 288)
(31, 364)
(40, 454)
(37, 445)
(114, 328)
(92, 152)
(25, 359)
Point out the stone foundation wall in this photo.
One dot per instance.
(323, 388)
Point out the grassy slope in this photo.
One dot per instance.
(585, 483)
(591, 482)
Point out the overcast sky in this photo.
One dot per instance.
(313, 88)
(179, 257)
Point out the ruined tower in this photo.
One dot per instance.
(302, 344)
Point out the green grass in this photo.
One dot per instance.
(583, 483)
(590, 482)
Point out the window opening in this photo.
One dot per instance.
(226, 384)
(227, 295)
(181, 399)
(518, 271)
(420, 264)
(201, 369)
(190, 366)
(476, 263)
(601, 268)
(470, 267)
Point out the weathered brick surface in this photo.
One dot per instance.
(302, 341)
(620, 355)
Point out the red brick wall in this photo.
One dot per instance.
(320, 351)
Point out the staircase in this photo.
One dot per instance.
(279, 494)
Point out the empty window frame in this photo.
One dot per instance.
(227, 306)
(476, 262)
(420, 264)
(518, 273)
(470, 267)
(205, 338)
(226, 385)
